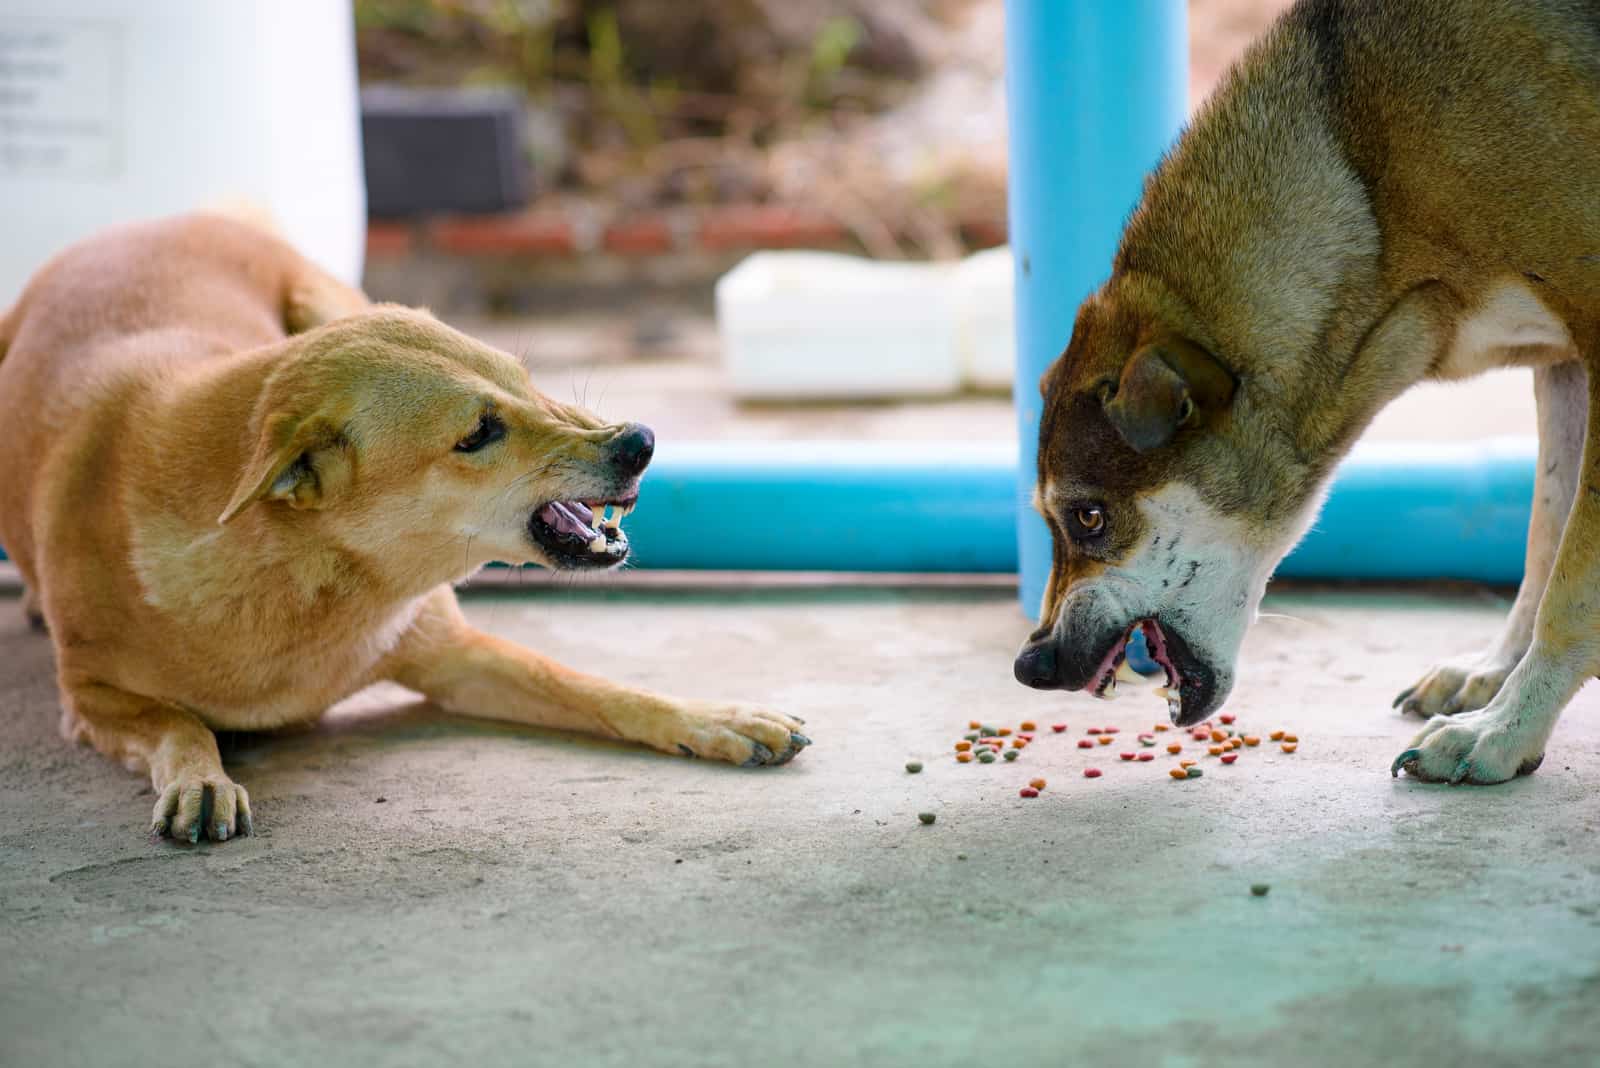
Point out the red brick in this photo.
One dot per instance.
(770, 226)
(640, 235)
(534, 233)
(388, 240)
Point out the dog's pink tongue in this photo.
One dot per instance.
(560, 515)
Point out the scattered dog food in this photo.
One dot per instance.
(1187, 763)
(1174, 748)
(1252, 740)
(1105, 739)
(1194, 772)
(1178, 773)
(1085, 743)
(1128, 756)
(1037, 784)
(1012, 754)
(1214, 750)
(1147, 739)
(914, 766)
(973, 724)
(1291, 738)
(1059, 728)
(1111, 730)
(1289, 747)
(986, 757)
(962, 747)
(1163, 727)
(1091, 773)
(927, 817)
(1259, 889)
(1276, 736)
(1147, 756)
(965, 758)
(1227, 717)
(1229, 758)
(1029, 725)
(1028, 791)
(1094, 730)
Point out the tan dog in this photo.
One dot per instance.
(1379, 193)
(237, 493)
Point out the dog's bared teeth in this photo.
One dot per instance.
(598, 512)
(598, 545)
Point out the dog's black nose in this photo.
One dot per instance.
(631, 450)
(1036, 665)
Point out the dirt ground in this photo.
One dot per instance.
(428, 891)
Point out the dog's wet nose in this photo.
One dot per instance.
(632, 448)
(1037, 666)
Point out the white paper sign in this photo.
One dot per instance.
(60, 113)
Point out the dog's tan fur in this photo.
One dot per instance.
(1379, 193)
(232, 489)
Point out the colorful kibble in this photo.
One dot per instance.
(964, 758)
(1147, 756)
(1147, 739)
(1059, 728)
(1288, 747)
(1094, 730)
(1037, 784)
(1252, 740)
(1291, 738)
(1187, 763)
(986, 757)
(1214, 750)
(1085, 743)
(974, 736)
(973, 724)
(1229, 758)
(1217, 736)
(1029, 725)
(1028, 791)
(1178, 773)
(1276, 736)
(1112, 730)
(1259, 889)
(1012, 754)
(1003, 731)
(1163, 726)
(1227, 717)
(1105, 739)
(1127, 756)
(1194, 773)
(926, 817)
(1174, 748)
(986, 732)
(963, 747)
(914, 766)
(1019, 743)
(1091, 773)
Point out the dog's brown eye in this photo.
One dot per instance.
(1086, 523)
(489, 429)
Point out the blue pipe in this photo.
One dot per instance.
(1096, 91)
(1400, 512)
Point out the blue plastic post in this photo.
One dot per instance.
(1097, 90)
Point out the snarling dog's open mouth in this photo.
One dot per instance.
(1191, 684)
(579, 534)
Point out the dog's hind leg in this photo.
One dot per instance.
(195, 798)
(1507, 736)
(1471, 681)
(471, 673)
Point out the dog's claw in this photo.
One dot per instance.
(686, 751)
(799, 741)
(1405, 693)
(1402, 760)
(1463, 769)
(1531, 765)
(760, 755)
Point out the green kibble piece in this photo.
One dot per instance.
(1259, 889)
(986, 758)
(1195, 772)
(987, 732)
(1012, 754)
(926, 817)
(974, 736)
(914, 766)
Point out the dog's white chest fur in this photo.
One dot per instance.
(1512, 327)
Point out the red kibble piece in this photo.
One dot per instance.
(1085, 743)
(1094, 730)
(1128, 756)
(1091, 773)
(1112, 730)
(1147, 756)
(1028, 791)
(1026, 737)
(1058, 727)
(1227, 717)
(1229, 758)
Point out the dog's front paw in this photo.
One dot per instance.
(1460, 685)
(195, 805)
(1481, 748)
(739, 734)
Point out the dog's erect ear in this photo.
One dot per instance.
(1165, 385)
(301, 461)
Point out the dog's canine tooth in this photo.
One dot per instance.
(598, 545)
(598, 512)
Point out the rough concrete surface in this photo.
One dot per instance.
(427, 891)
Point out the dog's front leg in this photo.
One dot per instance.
(1507, 736)
(475, 674)
(1469, 682)
(195, 798)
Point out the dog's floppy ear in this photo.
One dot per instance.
(301, 461)
(1165, 385)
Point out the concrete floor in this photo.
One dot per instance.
(426, 891)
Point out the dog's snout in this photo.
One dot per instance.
(1038, 666)
(632, 448)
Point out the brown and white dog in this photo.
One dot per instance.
(1378, 194)
(238, 492)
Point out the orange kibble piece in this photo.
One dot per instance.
(974, 725)
(1217, 736)
(1003, 731)
(1214, 750)
(1291, 738)
(1187, 763)
(963, 747)
(965, 758)
(1029, 725)
(1252, 739)
(1178, 773)
(1288, 747)
(1163, 727)
(1037, 784)
(1174, 748)
(1276, 736)
(1106, 739)
(1019, 743)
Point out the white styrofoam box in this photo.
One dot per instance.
(822, 325)
(985, 291)
(115, 110)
